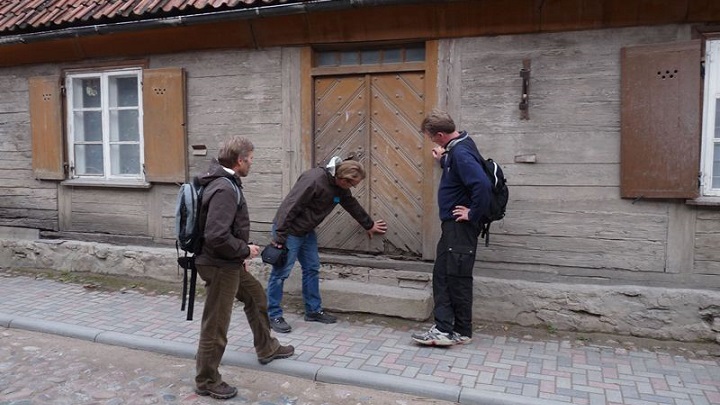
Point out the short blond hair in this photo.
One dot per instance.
(233, 149)
(350, 170)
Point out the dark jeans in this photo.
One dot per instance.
(453, 279)
(223, 285)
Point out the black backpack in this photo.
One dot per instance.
(189, 236)
(499, 196)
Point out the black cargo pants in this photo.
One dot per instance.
(452, 277)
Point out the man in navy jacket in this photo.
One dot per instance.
(463, 197)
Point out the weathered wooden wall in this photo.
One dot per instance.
(566, 220)
(236, 92)
(707, 243)
(24, 202)
(565, 216)
(229, 93)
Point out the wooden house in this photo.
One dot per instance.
(600, 112)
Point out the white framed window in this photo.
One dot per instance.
(104, 126)
(710, 157)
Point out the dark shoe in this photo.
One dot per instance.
(321, 317)
(282, 352)
(222, 391)
(279, 325)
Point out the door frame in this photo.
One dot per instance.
(430, 223)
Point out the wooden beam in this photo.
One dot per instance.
(428, 21)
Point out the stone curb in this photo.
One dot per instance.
(405, 385)
(324, 374)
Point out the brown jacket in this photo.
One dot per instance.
(311, 199)
(226, 224)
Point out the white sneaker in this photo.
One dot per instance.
(460, 339)
(433, 337)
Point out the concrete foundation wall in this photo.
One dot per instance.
(661, 313)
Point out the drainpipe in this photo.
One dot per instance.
(236, 14)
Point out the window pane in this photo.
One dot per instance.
(349, 58)
(106, 128)
(392, 56)
(125, 159)
(124, 126)
(88, 126)
(370, 57)
(716, 167)
(326, 59)
(123, 91)
(88, 159)
(86, 93)
(415, 55)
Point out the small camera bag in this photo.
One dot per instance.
(274, 255)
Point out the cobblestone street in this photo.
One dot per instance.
(499, 367)
(37, 368)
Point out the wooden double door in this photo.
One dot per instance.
(376, 118)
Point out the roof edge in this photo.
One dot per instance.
(200, 18)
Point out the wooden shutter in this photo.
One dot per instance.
(660, 120)
(164, 125)
(46, 127)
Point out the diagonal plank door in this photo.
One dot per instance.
(377, 118)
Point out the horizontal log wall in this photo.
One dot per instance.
(237, 93)
(707, 243)
(232, 93)
(24, 201)
(565, 215)
(566, 220)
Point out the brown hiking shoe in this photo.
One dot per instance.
(221, 391)
(282, 352)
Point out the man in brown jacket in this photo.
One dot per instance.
(221, 264)
(312, 198)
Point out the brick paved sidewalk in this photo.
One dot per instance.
(547, 371)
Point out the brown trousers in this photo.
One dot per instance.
(223, 285)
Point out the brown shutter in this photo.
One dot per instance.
(164, 125)
(46, 127)
(660, 120)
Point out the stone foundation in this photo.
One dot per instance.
(659, 313)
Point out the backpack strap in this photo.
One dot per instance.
(240, 197)
(485, 233)
(190, 280)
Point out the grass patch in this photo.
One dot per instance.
(108, 282)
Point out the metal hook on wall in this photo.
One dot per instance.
(525, 98)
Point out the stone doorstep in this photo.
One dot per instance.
(356, 296)
(352, 296)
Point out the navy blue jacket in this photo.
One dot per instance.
(463, 181)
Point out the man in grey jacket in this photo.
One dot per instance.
(221, 264)
(312, 198)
